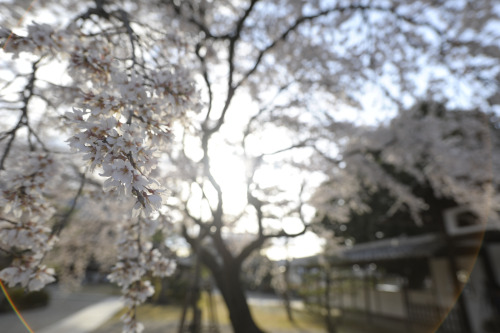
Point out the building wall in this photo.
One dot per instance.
(443, 284)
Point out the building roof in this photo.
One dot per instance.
(392, 249)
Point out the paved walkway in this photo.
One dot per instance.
(78, 312)
(87, 319)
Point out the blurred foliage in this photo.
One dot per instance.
(24, 300)
(171, 290)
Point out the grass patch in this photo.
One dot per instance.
(152, 312)
(271, 318)
(274, 318)
(219, 308)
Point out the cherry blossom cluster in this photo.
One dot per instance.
(119, 128)
(41, 39)
(24, 214)
(120, 125)
(136, 258)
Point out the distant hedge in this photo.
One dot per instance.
(24, 300)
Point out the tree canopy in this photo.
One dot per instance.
(210, 118)
(401, 178)
(425, 156)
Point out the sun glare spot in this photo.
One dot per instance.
(229, 171)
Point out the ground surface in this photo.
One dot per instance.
(268, 312)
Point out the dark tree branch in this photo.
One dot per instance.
(37, 137)
(66, 217)
(282, 37)
(262, 110)
(28, 93)
(301, 144)
(340, 9)
(241, 21)
(231, 88)
(260, 240)
(98, 11)
(193, 20)
(218, 212)
(195, 243)
(7, 220)
(261, 236)
(206, 78)
(123, 17)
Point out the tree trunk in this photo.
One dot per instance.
(330, 326)
(286, 293)
(227, 279)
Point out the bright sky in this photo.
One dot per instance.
(228, 167)
(229, 170)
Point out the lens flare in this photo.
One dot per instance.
(14, 307)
